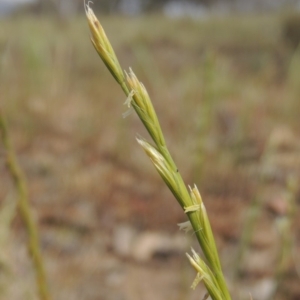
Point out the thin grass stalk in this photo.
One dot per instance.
(7, 214)
(284, 225)
(206, 117)
(253, 212)
(191, 202)
(25, 211)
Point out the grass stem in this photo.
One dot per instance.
(190, 200)
(25, 211)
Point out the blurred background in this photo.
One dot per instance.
(224, 77)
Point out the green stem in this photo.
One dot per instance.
(25, 211)
(209, 250)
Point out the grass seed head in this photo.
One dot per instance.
(144, 108)
(138, 98)
(103, 46)
(204, 274)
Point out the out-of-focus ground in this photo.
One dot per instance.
(226, 91)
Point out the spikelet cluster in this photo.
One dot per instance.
(209, 272)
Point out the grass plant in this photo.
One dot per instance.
(206, 118)
(55, 113)
(209, 271)
(285, 231)
(253, 212)
(7, 214)
(25, 211)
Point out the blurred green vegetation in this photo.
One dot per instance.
(223, 88)
(229, 69)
